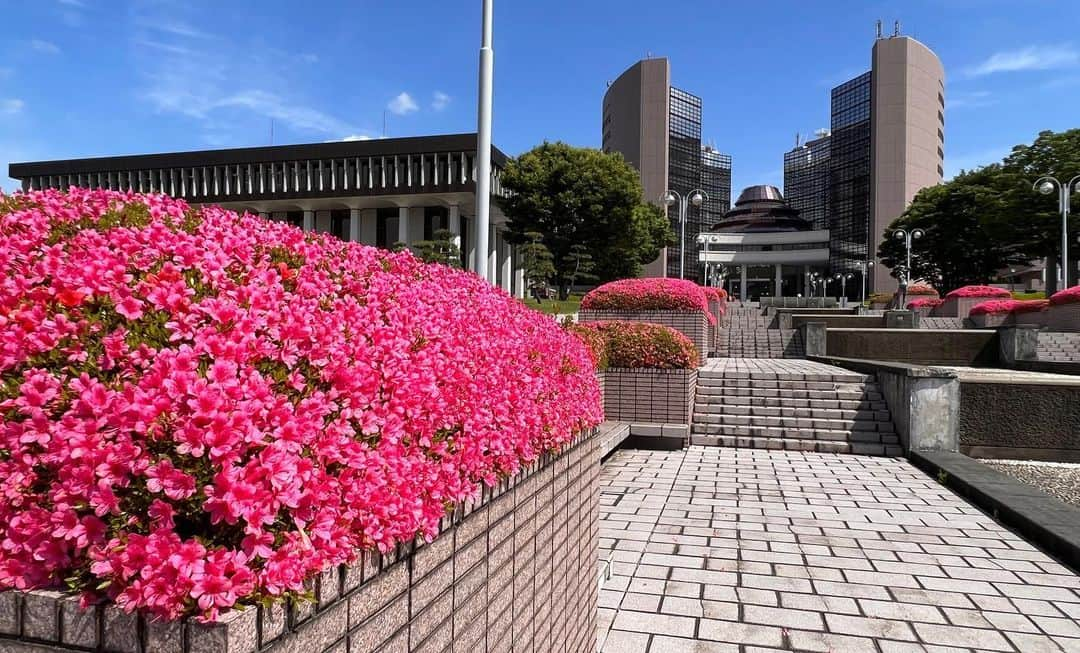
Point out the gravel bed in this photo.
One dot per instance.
(1061, 480)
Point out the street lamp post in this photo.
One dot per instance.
(1047, 185)
(907, 237)
(483, 144)
(865, 267)
(696, 197)
(843, 279)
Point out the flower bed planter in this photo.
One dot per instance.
(1063, 317)
(993, 320)
(958, 306)
(1035, 318)
(518, 562)
(648, 395)
(692, 324)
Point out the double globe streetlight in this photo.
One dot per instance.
(907, 237)
(697, 197)
(864, 267)
(1047, 185)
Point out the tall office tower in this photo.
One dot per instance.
(907, 132)
(657, 128)
(886, 143)
(806, 179)
(716, 181)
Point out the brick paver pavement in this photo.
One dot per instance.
(741, 550)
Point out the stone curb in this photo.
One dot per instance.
(1048, 522)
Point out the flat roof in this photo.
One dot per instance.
(265, 154)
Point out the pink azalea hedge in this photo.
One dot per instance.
(921, 289)
(639, 345)
(926, 302)
(650, 294)
(1009, 306)
(201, 410)
(1067, 296)
(979, 291)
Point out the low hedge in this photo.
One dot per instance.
(636, 345)
(979, 291)
(651, 294)
(1067, 296)
(921, 289)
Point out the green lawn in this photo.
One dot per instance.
(1029, 295)
(554, 306)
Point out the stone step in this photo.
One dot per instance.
(792, 444)
(713, 410)
(776, 393)
(796, 423)
(785, 378)
(720, 399)
(825, 432)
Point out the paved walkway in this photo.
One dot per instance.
(750, 551)
(780, 368)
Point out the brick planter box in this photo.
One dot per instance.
(992, 320)
(1063, 317)
(515, 569)
(1032, 318)
(692, 324)
(960, 306)
(647, 395)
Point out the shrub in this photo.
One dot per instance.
(921, 289)
(979, 291)
(643, 345)
(927, 302)
(712, 294)
(202, 410)
(1001, 306)
(651, 294)
(1067, 296)
(594, 340)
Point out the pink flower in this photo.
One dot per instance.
(649, 294)
(130, 308)
(979, 291)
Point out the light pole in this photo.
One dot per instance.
(483, 144)
(843, 279)
(1047, 185)
(907, 237)
(696, 197)
(1012, 279)
(865, 267)
(705, 239)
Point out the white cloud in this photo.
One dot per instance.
(969, 100)
(45, 47)
(11, 106)
(402, 104)
(972, 160)
(440, 101)
(1034, 57)
(357, 137)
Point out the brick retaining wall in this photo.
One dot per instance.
(514, 570)
(692, 324)
(647, 395)
(1063, 317)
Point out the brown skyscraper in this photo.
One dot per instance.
(907, 133)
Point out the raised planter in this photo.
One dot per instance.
(1063, 317)
(1031, 318)
(993, 320)
(515, 568)
(649, 395)
(692, 324)
(959, 306)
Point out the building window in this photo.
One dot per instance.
(339, 223)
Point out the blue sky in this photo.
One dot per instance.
(103, 77)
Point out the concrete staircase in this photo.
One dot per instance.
(1059, 346)
(748, 333)
(796, 405)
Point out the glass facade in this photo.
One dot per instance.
(684, 175)
(806, 181)
(716, 181)
(848, 206)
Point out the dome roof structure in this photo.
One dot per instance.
(761, 209)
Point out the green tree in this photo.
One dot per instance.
(968, 235)
(440, 249)
(1052, 153)
(580, 265)
(583, 197)
(537, 262)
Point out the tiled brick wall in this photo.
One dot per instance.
(514, 570)
(1063, 317)
(692, 324)
(645, 395)
(1059, 346)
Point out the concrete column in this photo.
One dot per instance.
(403, 225)
(507, 265)
(779, 292)
(492, 255)
(309, 221)
(519, 279)
(369, 227)
(1018, 343)
(454, 223)
(355, 218)
(323, 223)
(742, 284)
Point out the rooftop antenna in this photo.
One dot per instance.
(796, 140)
(648, 54)
(879, 28)
(896, 28)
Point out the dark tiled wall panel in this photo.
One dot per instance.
(514, 570)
